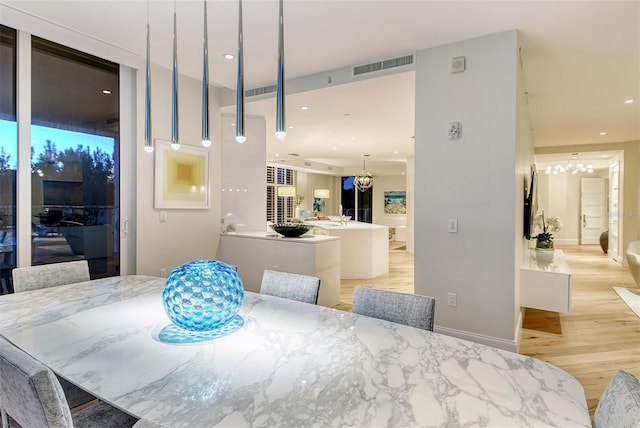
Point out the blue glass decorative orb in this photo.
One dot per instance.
(202, 295)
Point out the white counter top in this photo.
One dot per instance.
(292, 365)
(351, 225)
(306, 238)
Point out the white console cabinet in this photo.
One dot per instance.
(546, 284)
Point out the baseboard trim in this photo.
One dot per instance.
(496, 342)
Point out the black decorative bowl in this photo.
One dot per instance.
(291, 230)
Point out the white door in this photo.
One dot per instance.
(592, 210)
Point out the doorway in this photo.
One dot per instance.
(585, 211)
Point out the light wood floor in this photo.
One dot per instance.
(598, 337)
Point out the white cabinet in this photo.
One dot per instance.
(546, 284)
(253, 252)
(364, 247)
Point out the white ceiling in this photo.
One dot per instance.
(581, 62)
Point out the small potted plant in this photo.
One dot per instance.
(544, 239)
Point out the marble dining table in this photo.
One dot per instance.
(290, 365)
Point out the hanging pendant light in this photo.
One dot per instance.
(281, 132)
(364, 180)
(240, 138)
(206, 140)
(175, 143)
(148, 146)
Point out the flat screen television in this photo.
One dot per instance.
(531, 204)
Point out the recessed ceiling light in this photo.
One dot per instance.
(605, 156)
(228, 56)
(629, 101)
(106, 92)
(277, 154)
(233, 124)
(290, 126)
(334, 148)
(396, 152)
(603, 133)
(304, 108)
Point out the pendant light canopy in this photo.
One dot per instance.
(206, 139)
(148, 146)
(175, 142)
(364, 180)
(281, 129)
(240, 138)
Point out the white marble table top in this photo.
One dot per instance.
(292, 365)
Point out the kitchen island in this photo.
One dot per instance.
(364, 247)
(253, 252)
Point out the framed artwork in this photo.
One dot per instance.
(395, 202)
(181, 177)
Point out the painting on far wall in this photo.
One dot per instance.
(395, 202)
(181, 177)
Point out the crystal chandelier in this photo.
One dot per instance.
(364, 180)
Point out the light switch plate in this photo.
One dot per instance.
(452, 225)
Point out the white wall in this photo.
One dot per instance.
(386, 183)
(479, 180)
(410, 204)
(244, 176)
(307, 181)
(187, 234)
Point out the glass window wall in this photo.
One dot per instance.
(8, 156)
(74, 158)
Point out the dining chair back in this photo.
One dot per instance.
(409, 309)
(619, 405)
(29, 391)
(50, 275)
(31, 395)
(293, 286)
(145, 423)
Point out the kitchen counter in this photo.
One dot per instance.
(351, 225)
(364, 247)
(253, 252)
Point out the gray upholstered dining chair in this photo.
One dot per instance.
(294, 286)
(413, 310)
(43, 276)
(31, 396)
(145, 423)
(619, 405)
(51, 275)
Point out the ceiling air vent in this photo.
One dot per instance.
(386, 64)
(260, 91)
(307, 163)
